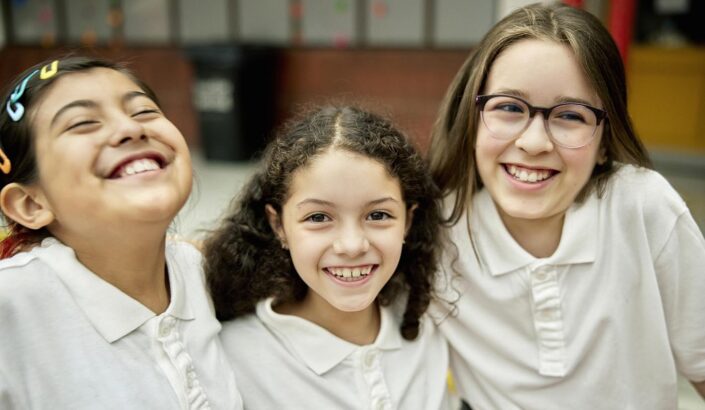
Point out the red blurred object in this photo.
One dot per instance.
(574, 3)
(621, 24)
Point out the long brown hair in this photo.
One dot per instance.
(452, 152)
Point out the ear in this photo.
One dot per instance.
(25, 206)
(275, 222)
(602, 155)
(409, 217)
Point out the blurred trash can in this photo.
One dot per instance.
(234, 94)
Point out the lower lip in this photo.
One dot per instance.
(527, 186)
(352, 284)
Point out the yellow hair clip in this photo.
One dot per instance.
(49, 70)
(5, 165)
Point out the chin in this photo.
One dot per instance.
(354, 305)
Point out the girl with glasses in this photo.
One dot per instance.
(577, 271)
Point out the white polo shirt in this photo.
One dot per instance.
(286, 362)
(70, 340)
(606, 322)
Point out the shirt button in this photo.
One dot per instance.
(166, 326)
(546, 314)
(541, 274)
(380, 405)
(369, 360)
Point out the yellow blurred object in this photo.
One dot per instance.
(451, 384)
(667, 96)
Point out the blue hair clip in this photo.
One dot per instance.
(17, 112)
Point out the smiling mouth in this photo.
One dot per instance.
(353, 274)
(528, 175)
(137, 166)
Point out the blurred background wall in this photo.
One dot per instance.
(397, 55)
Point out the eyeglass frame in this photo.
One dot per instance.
(481, 101)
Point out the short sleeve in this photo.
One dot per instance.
(680, 268)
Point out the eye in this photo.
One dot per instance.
(146, 112)
(379, 216)
(570, 116)
(80, 125)
(510, 107)
(317, 218)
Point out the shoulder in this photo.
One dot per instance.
(22, 273)
(643, 185)
(645, 192)
(186, 258)
(247, 340)
(184, 250)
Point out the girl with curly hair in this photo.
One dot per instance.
(322, 272)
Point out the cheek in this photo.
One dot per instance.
(487, 151)
(581, 161)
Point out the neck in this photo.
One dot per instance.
(133, 262)
(360, 328)
(539, 237)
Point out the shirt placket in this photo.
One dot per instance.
(548, 320)
(370, 364)
(181, 362)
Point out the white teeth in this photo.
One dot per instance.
(139, 166)
(527, 175)
(350, 274)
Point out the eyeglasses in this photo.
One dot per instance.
(570, 125)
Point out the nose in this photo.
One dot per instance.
(351, 242)
(127, 129)
(535, 139)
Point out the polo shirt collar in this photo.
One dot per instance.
(319, 349)
(112, 313)
(501, 254)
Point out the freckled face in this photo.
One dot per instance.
(344, 223)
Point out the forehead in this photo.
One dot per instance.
(543, 70)
(343, 175)
(91, 84)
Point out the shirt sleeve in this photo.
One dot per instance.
(680, 266)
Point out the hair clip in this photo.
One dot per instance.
(5, 165)
(49, 70)
(17, 112)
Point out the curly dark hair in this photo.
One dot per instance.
(244, 260)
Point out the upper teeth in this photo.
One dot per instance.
(527, 175)
(351, 272)
(140, 165)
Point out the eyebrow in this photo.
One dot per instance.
(560, 100)
(92, 104)
(327, 203)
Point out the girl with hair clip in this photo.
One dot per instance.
(323, 271)
(97, 308)
(577, 271)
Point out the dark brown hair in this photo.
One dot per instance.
(244, 260)
(452, 152)
(17, 137)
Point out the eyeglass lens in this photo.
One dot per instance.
(569, 125)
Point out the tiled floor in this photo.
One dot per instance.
(216, 183)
